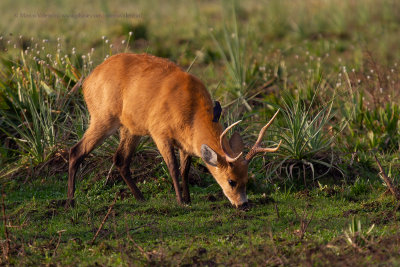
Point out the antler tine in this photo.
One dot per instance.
(264, 129)
(227, 157)
(256, 148)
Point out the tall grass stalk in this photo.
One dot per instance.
(233, 51)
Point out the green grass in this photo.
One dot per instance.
(332, 67)
(159, 231)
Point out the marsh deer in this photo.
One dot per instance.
(146, 95)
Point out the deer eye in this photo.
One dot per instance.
(232, 183)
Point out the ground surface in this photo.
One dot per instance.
(331, 67)
(207, 232)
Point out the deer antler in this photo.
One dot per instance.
(227, 157)
(257, 148)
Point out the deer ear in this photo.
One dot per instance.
(208, 155)
(216, 111)
(236, 143)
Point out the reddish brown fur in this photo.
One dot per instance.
(147, 95)
(152, 96)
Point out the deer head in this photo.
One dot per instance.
(230, 168)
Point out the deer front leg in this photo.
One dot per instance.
(185, 160)
(167, 151)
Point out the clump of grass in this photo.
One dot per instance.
(34, 104)
(356, 236)
(306, 151)
(35, 101)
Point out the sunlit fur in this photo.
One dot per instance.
(147, 95)
(236, 172)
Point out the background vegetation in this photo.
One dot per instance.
(332, 67)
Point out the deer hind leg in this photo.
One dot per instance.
(185, 160)
(166, 149)
(94, 136)
(123, 158)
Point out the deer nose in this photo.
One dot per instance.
(244, 206)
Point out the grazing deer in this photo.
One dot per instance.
(146, 95)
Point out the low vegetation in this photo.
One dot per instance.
(331, 67)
